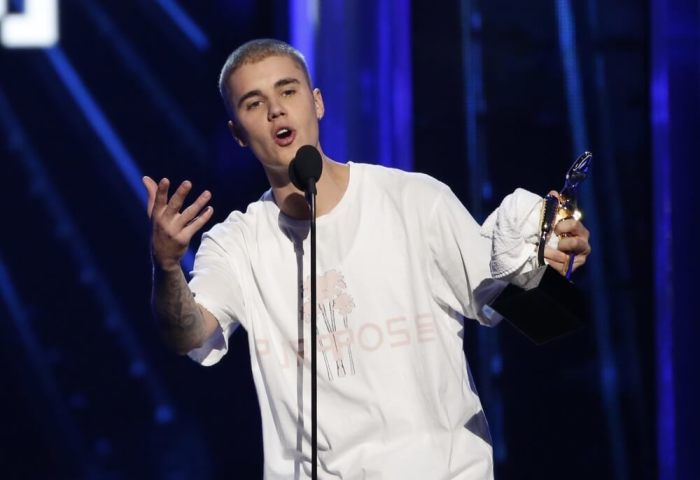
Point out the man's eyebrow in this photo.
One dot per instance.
(286, 81)
(252, 93)
(279, 83)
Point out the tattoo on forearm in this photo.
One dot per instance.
(178, 315)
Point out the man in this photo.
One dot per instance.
(400, 263)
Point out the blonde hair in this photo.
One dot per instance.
(253, 52)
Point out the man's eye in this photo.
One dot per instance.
(288, 93)
(253, 105)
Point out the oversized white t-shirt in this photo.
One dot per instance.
(399, 262)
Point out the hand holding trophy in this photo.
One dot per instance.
(543, 303)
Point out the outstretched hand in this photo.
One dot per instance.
(173, 229)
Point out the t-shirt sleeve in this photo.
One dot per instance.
(470, 264)
(217, 286)
(459, 271)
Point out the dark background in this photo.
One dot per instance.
(87, 389)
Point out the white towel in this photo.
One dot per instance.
(514, 229)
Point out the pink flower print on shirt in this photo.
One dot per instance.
(334, 305)
(330, 285)
(344, 304)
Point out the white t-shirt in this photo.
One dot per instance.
(399, 262)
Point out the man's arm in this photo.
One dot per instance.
(184, 325)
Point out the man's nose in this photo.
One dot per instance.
(275, 110)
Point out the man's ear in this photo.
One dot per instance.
(318, 103)
(238, 133)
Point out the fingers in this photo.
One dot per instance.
(161, 195)
(158, 196)
(573, 236)
(554, 256)
(573, 240)
(191, 212)
(570, 227)
(178, 198)
(559, 260)
(198, 222)
(151, 188)
(579, 260)
(576, 245)
(168, 217)
(562, 267)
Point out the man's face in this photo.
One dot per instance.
(276, 111)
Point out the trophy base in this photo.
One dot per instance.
(542, 304)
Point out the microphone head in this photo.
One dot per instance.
(307, 165)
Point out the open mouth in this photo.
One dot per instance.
(284, 136)
(283, 133)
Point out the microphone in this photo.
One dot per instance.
(304, 172)
(305, 169)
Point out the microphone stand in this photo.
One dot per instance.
(304, 171)
(311, 199)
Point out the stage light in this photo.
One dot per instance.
(35, 27)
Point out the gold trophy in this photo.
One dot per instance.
(543, 303)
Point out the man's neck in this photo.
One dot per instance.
(331, 187)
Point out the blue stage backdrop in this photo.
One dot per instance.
(486, 96)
